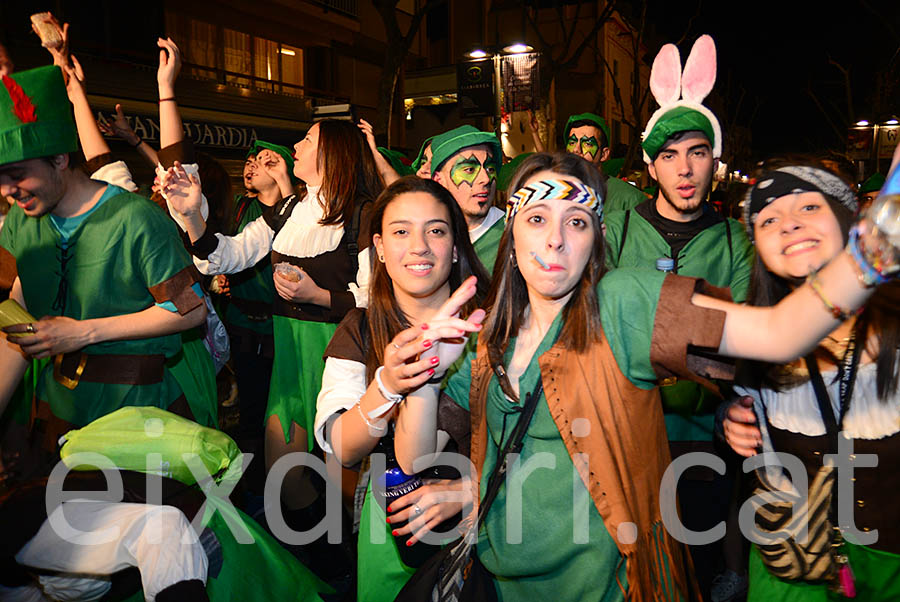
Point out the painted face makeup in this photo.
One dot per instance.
(586, 146)
(466, 170)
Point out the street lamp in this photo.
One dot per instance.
(496, 54)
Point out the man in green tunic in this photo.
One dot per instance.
(587, 135)
(681, 149)
(466, 161)
(104, 267)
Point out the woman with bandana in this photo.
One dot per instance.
(799, 216)
(579, 514)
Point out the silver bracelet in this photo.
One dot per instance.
(372, 427)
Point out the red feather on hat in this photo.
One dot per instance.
(22, 106)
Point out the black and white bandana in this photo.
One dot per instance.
(794, 179)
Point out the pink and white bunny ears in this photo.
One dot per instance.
(680, 96)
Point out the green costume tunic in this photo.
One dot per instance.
(486, 245)
(621, 196)
(565, 551)
(122, 249)
(721, 260)
(876, 577)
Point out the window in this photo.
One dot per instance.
(234, 57)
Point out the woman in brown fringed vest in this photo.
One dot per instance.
(580, 515)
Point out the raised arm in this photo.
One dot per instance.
(387, 173)
(794, 326)
(92, 142)
(171, 130)
(120, 127)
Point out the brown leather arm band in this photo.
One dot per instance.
(177, 289)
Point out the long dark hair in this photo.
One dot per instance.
(385, 318)
(349, 174)
(508, 296)
(880, 317)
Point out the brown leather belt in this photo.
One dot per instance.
(71, 368)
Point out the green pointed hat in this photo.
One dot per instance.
(449, 143)
(284, 151)
(592, 118)
(35, 116)
(420, 158)
(396, 159)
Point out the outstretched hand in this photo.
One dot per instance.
(182, 190)
(423, 352)
(118, 127)
(169, 66)
(369, 133)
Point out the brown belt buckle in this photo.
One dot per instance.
(69, 383)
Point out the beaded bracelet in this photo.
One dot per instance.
(869, 275)
(837, 312)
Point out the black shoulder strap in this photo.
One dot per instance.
(513, 446)
(277, 215)
(728, 236)
(847, 376)
(624, 235)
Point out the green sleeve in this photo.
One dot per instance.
(159, 250)
(743, 255)
(459, 376)
(621, 195)
(11, 223)
(614, 221)
(628, 300)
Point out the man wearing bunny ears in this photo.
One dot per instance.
(682, 143)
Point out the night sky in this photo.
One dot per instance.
(776, 50)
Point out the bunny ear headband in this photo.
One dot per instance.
(680, 96)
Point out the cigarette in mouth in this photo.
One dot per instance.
(540, 261)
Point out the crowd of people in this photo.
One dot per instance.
(381, 316)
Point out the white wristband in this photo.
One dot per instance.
(392, 398)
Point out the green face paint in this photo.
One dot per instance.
(589, 147)
(466, 169)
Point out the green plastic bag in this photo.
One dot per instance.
(151, 440)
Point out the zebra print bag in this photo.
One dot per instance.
(814, 557)
(794, 557)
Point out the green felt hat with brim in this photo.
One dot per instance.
(509, 169)
(284, 151)
(396, 159)
(682, 119)
(35, 116)
(873, 184)
(591, 117)
(444, 146)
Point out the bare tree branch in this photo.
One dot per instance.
(838, 131)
